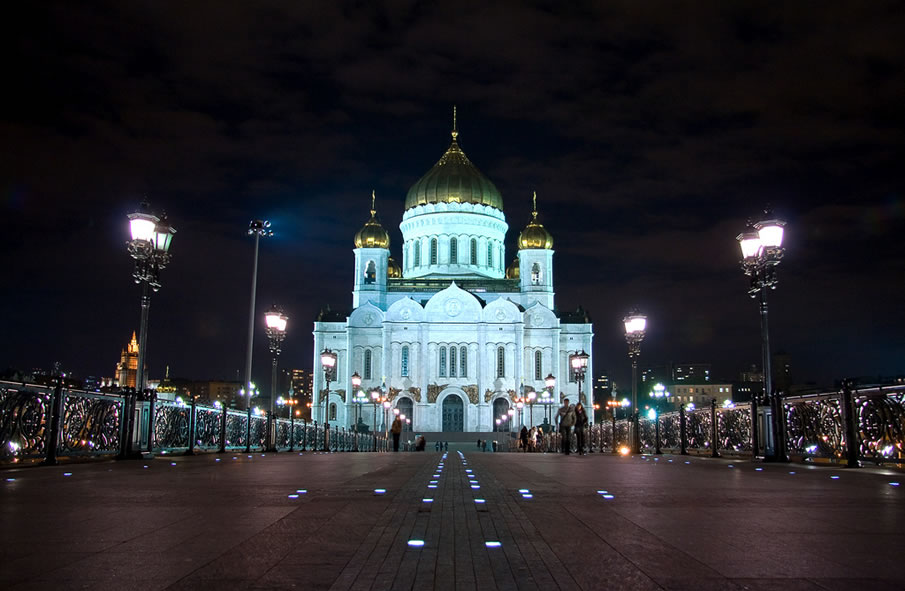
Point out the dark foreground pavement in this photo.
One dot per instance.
(671, 523)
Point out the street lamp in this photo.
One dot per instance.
(275, 328)
(386, 410)
(356, 384)
(532, 397)
(635, 327)
(256, 228)
(328, 362)
(762, 250)
(150, 245)
(659, 394)
(249, 393)
(550, 383)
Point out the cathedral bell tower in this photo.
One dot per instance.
(535, 261)
(372, 262)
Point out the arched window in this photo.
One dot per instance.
(501, 362)
(489, 254)
(452, 362)
(433, 251)
(474, 251)
(453, 251)
(535, 274)
(416, 246)
(463, 362)
(442, 362)
(405, 362)
(367, 368)
(370, 272)
(332, 411)
(538, 365)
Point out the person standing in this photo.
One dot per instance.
(396, 430)
(581, 426)
(565, 416)
(523, 437)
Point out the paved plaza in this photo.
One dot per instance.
(316, 521)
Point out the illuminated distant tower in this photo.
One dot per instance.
(127, 368)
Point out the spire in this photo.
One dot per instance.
(534, 208)
(455, 129)
(373, 201)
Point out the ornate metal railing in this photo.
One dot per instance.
(91, 424)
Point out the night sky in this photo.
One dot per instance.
(651, 131)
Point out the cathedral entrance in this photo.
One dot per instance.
(405, 408)
(453, 414)
(500, 410)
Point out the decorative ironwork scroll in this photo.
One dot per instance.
(24, 420)
(207, 427)
(91, 423)
(171, 425)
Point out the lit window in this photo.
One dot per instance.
(442, 362)
(538, 365)
(489, 254)
(452, 362)
(500, 362)
(405, 362)
(463, 362)
(367, 370)
(453, 251)
(417, 247)
(474, 251)
(433, 251)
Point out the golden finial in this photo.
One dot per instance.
(534, 208)
(455, 131)
(373, 199)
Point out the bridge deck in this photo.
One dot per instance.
(672, 523)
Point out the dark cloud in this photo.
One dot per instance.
(650, 133)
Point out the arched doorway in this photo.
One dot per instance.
(405, 408)
(500, 410)
(453, 414)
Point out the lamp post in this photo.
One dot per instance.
(275, 328)
(659, 394)
(150, 245)
(256, 228)
(290, 402)
(328, 362)
(249, 393)
(762, 250)
(550, 383)
(613, 404)
(356, 384)
(635, 327)
(532, 397)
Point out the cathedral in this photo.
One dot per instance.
(452, 338)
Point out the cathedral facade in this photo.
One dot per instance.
(451, 338)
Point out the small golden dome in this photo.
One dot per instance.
(372, 235)
(393, 269)
(535, 235)
(512, 271)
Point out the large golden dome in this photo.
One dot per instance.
(372, 235)
(535, 235)
(454, 179)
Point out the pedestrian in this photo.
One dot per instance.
(396, 430)
(581, 426)
(437, 446)
(446, 446)
(565, 416)
(484, 445)
(523, 438)
(420, 443)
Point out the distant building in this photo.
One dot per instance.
(603, 389)
(700, 394)
(656, 374)
(753, 374)
(225, 392)
(127, 368)
(691, 373)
